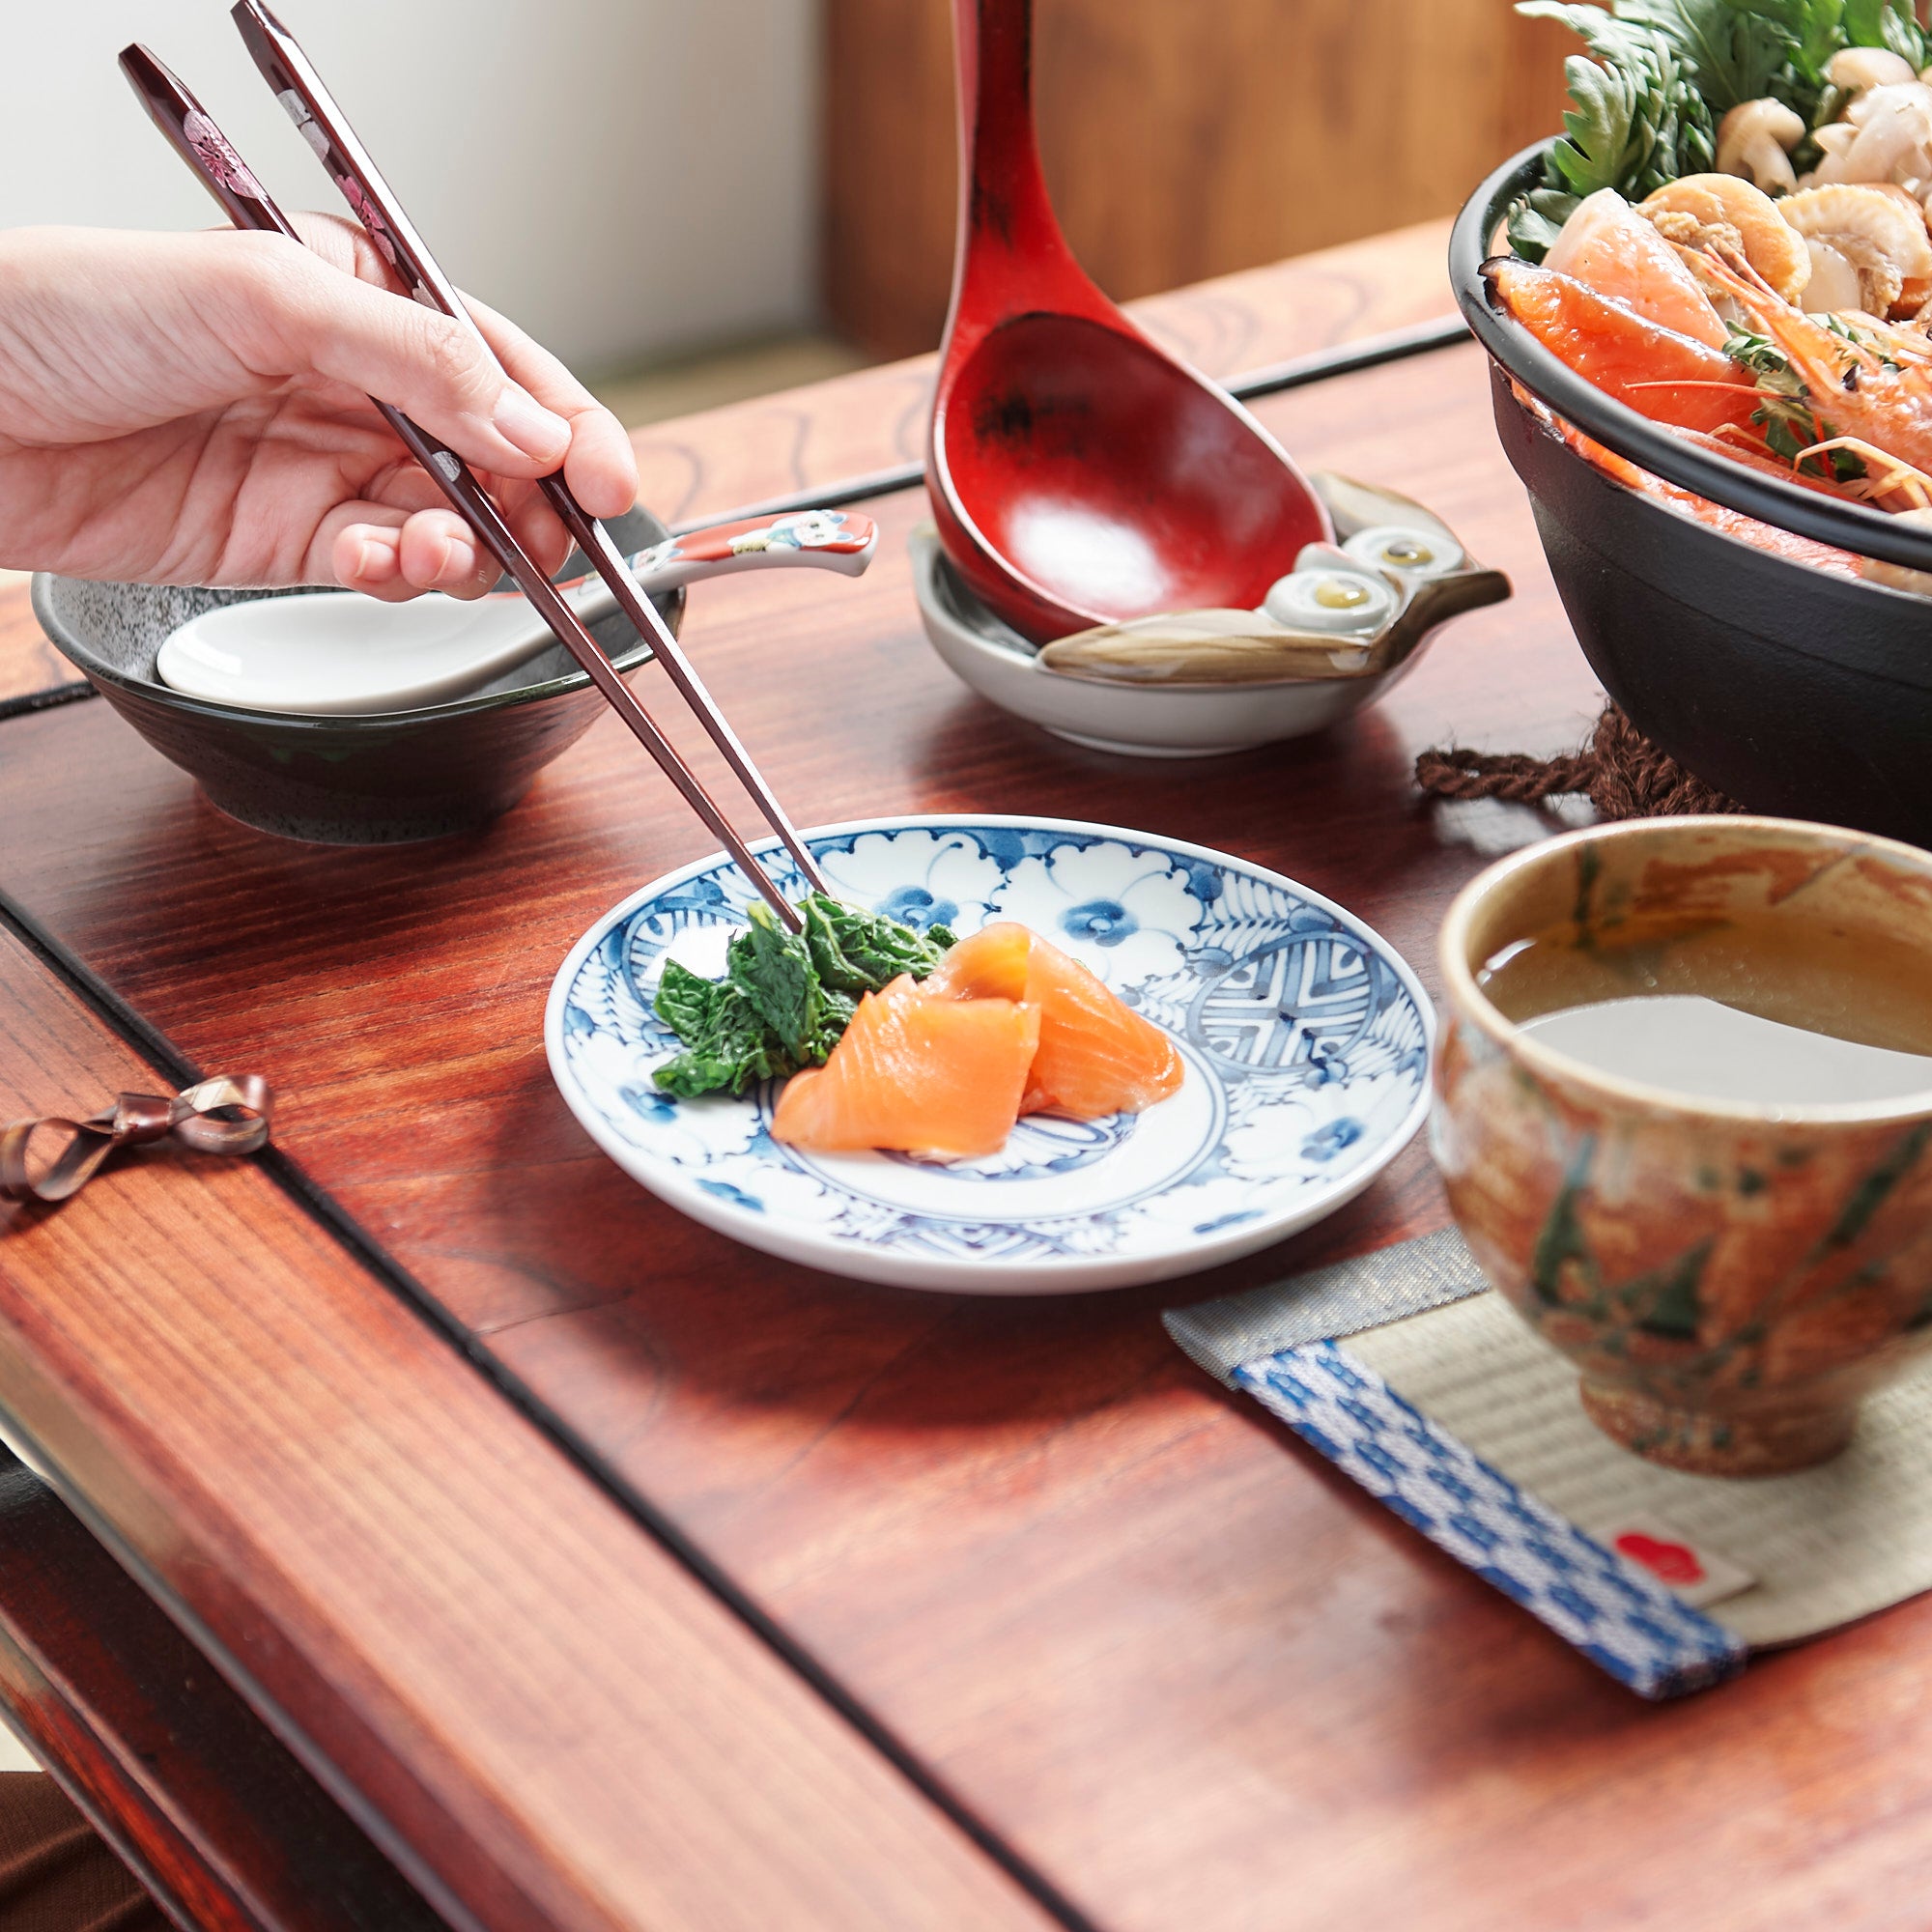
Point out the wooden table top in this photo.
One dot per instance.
(609, 1574)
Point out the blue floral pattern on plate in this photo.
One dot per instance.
(1306, 1040)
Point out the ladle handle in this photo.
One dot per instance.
(1011, 255)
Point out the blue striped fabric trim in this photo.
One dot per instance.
(1621, 1618)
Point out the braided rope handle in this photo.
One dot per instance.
(1618, 769)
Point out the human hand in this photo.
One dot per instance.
(194, 408)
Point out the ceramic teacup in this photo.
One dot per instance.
(1730, 1278)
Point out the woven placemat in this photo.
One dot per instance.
(1409, 1374)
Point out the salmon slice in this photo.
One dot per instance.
(916, 1075)
(1658, 372)
(991, 964)
(1608, 246)
(1096, 1055)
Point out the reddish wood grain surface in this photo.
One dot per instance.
(703, 466)
(1170, 1656)
(537, 1710)
(192, 1790)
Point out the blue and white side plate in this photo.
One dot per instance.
(1306, 1040)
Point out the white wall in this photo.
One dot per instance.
(622, 177)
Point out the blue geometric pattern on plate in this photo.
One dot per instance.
(1621, 1618)
(1306, 1044)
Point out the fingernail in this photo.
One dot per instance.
(531, 427)
(370, 558)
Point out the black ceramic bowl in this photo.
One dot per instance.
(1798, 693)
(382, 778)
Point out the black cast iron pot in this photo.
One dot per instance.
(1798, 693)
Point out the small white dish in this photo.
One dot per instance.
(1398, 604)
(336, 653)
(1306, 1040)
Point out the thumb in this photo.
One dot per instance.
(300, 316)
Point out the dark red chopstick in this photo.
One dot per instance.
(196, 139)
(298, 86)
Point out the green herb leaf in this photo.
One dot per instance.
(1608, 145)
(1786, 409)
(1812, 32)
(1730, 52)
(1537, 218)
(1637, 119)
(1885, 23)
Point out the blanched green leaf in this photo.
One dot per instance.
(835, 1011)
(786, 998)
(687, 1004)
(863, 952)
(775, 972)
(739, 1051)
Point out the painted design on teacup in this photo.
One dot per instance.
(1729, 1280)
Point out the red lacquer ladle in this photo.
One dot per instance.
(1079, 474)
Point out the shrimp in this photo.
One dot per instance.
(1885, 474)
(1871, 397)
(1835, 562)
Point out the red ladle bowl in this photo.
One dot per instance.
(1079, 474)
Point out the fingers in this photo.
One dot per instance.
(601, 466)
(431, 550)
(393, 550)
(290, 314)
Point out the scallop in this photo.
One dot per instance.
(1834, 281)
(1878, 233)
(1700, 209)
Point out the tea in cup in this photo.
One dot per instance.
(1684, 1112)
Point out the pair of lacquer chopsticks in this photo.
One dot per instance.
(199, 142)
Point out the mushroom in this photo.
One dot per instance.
(1700, 211)
(1886, 136)
(1856, 68)
(1755, 139)
(1877, 233)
